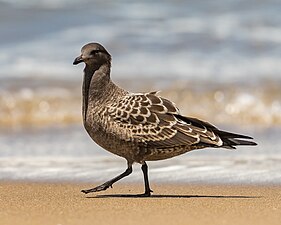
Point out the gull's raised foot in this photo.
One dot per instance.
(102, 187)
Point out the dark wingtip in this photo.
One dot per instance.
(242, 142)
(232, 135)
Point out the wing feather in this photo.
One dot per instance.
(157, 122)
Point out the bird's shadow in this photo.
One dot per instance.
(174, 196)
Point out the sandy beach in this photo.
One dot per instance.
(54, 204)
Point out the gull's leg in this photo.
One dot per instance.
(144, 169)
(109, 183)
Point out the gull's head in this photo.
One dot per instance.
(93, 54)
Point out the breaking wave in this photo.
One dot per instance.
(55, 102)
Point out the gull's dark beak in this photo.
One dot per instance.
(78, 60)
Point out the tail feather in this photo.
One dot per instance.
(230, 140)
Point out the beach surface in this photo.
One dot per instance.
(60, 203)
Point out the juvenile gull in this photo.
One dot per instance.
(139, 127)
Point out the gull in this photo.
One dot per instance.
(139, 127)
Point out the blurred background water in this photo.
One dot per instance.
(218, 60)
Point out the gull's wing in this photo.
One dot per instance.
(156, 122)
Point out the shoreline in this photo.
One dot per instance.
(62, 203)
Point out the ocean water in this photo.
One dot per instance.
(217, 60)
(68, 154)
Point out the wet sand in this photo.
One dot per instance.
(54, 204)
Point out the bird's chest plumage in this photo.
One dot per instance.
(103, 133)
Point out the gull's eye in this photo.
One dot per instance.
(94, 52)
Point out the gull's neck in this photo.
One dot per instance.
(98, 88)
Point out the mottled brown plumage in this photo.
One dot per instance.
(139, 127)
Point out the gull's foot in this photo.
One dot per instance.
(102, 187)
(145, 194)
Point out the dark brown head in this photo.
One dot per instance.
(93, 55)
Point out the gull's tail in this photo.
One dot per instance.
(230, 140)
